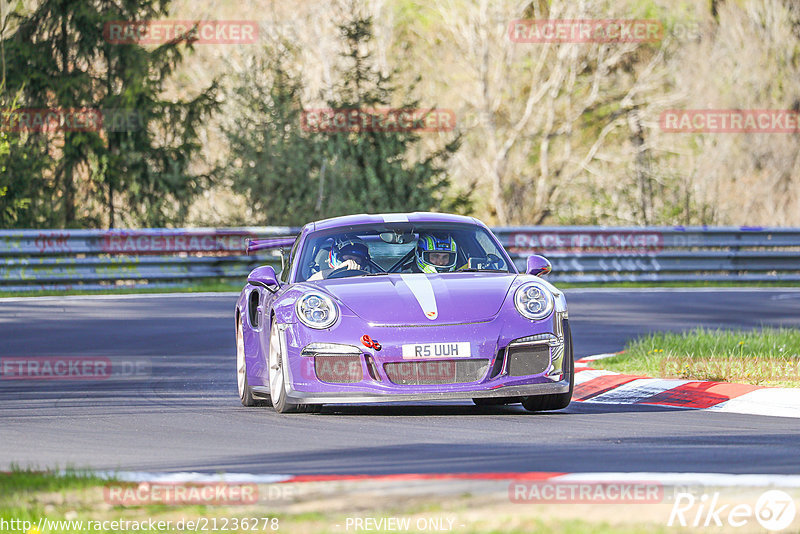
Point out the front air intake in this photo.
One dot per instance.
(338, 368)
(420, 373)
(527, 360)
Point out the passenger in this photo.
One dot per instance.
(350, 254)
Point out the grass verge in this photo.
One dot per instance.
(766, 357)
(75, 502)
(213, 286)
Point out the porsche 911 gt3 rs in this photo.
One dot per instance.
(401, 307)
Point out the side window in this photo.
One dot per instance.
(488, 247)
(287, 268)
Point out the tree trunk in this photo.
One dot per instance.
(69, 182)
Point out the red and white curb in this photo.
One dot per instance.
(667, 479)
(608, 387)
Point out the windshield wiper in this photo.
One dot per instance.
(472, 270)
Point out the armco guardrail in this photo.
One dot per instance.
(659, 254)
(95, 259)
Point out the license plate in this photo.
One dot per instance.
(418, 351)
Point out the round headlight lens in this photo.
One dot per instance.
(534, 301)
(534, 306)
(316, 310)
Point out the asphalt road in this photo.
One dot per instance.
(181, 412)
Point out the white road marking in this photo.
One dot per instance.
(688, 479)
(582, 376)
(142, 476)
(636, 390)
(599, 356)
(775, 402)
(779, 402)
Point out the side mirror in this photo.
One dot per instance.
(263, 276)
(538, 265)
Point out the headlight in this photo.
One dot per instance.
(534, 301)
(316, 310)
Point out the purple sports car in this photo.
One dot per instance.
(401, 307)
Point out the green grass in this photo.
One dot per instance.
(26, 495)
(767, 357)
(210, 287)
(18, 481)
(74, 495)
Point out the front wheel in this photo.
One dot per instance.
(245, 392)
(556, 401)
(277, 384)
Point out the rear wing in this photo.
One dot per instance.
(254, 245)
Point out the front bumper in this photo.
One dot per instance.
(302, 397)
(490, 342)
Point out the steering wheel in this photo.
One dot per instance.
(342, 270)
(495, 261)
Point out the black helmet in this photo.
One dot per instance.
(351, 247)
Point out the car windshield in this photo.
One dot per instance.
(400, 248)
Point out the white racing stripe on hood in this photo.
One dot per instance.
(422, 289)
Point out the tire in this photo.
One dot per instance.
(245, 392)
(555, 401)
(277, 386)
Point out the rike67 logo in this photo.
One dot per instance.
(774, 510)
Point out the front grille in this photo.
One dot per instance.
(338, 368)
(418, 373)
(528, 360)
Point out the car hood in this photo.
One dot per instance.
(423, 299)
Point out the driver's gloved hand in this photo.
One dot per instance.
(350, 264)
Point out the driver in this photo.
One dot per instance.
(435, 254)
(350, 254)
